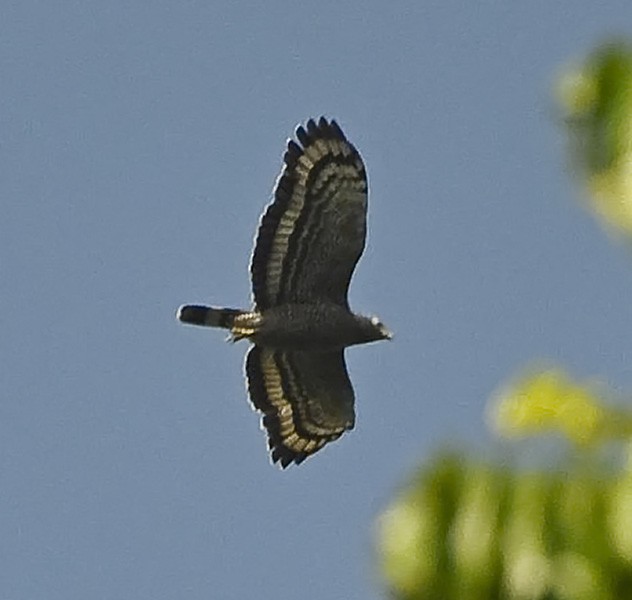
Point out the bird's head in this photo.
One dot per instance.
(374, 329)
(384, 332)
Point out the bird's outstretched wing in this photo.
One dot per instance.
(312, 235)
(306, 399)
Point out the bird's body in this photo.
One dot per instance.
(309, 241)
(318, 327)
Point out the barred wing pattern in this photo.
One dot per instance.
(312, 235)
(309, 241)
(306, 399)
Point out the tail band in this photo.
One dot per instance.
(208, 316)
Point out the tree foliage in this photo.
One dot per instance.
(466, 529)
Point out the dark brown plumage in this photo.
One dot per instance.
(309, 240)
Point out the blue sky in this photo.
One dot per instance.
(139, 143)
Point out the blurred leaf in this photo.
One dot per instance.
(620, 518)
(412, 532)
(466, 531)
(477, 516)
(548, 401)
(526, 562)
(596, 98)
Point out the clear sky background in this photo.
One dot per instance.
(139, 143)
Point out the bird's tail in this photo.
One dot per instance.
(208, 316)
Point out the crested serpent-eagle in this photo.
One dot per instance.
(309, 240)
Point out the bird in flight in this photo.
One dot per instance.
(309, 240)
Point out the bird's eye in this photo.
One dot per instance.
(375, 321)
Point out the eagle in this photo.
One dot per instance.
(309, 240)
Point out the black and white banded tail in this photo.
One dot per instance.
(207, 316)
